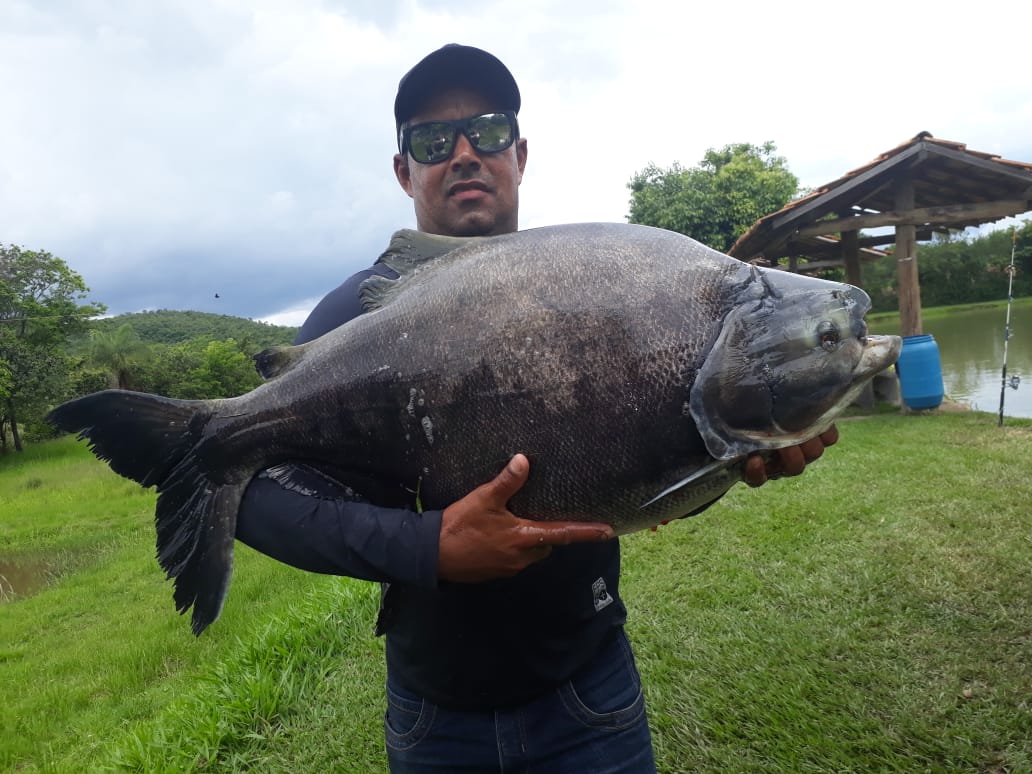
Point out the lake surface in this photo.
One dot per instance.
(971, 351)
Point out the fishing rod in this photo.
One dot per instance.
(1014, 380)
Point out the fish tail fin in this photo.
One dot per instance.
(151, 439)
(141, 436)
(196, 524)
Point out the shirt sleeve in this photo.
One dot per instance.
(325, 529)
(332, 533)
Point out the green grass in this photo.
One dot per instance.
(871, 615)
(937, 312)
(99, 644)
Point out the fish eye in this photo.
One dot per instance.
(828, 336)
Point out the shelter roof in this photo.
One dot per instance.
(954, 187)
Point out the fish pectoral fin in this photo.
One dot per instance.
(713, 467)
(408, 251)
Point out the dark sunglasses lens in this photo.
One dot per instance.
(430, 143)
(491, 133)
(435, 141)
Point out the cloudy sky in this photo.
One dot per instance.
(169, 150)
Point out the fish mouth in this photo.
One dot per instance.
(879, 353)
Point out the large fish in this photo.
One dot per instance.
(634, 366)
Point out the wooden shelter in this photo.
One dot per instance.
(920, 187)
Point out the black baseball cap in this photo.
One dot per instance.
(455, 65)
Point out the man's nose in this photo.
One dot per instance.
(465, 155)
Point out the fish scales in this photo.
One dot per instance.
(634, 366)
(585, 368)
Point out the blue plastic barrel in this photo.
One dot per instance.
(920, 372)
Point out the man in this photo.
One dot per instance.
(505, 642)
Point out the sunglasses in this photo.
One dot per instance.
(434, 141)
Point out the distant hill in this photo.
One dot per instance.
(165, 326)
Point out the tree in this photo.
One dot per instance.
(39, 309)
(960, 269)
(200, 369)
(120, 352)
(717, 201)
(226, 371)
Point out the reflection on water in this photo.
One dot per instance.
(971, 349)
(22, 578)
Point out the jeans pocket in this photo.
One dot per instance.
(607, 693)
(408, 718)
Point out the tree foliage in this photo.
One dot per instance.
(718, 200)
(41, 306)
(183, 354)
(119, 352)
(200, 368)
(53, 347)
(167, 326)
(960, 270)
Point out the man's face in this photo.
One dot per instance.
(470, 194)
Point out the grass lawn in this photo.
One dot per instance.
(871, 615)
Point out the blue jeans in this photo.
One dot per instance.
(595, 723)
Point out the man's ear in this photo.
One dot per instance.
(403, 173)
(521, 158)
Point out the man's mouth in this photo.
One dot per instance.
(468, 189)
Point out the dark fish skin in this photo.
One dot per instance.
(625, 361)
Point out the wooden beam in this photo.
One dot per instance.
(907, 282)
(923, 235)
(954, 213)
(798, 267)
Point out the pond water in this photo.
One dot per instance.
(971, 351)
(22, 578)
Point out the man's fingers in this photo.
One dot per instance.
(789, 461)
(508, 482)
(755, 471)
(812, 449)
(792, 461)
(561, 533)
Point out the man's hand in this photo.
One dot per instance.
(790, 461)
(481, 540)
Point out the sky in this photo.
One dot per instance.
(172, 151)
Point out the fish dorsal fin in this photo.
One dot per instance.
(408, 253)
(275, 361)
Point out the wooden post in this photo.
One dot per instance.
(850, 243)
(851, 257)
(907, 281)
